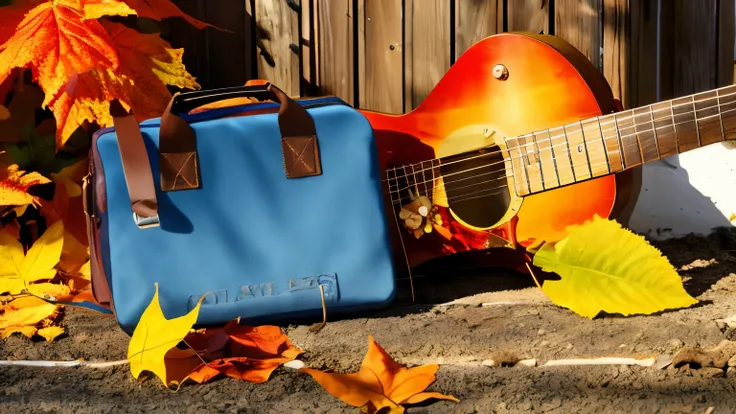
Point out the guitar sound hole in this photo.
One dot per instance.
(476, 186)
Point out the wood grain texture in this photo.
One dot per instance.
(336, 48)
(429, 30)
(309, 41)
(382, 87)
(528, 15)
(643, 56)
(474, 20)
(277, 31)
(229, 60)
(616, 38)
(578, 22)
(726, 38)
(694, 46)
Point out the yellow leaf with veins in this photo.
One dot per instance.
(17, 270)
(155, 335)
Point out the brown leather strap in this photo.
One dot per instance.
(136, 167)
(178, 161)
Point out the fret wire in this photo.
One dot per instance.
(695, 115)
(605, 146)
(539, 161)
(620, 142)
(433, 178)
(408, 184)
(569, 154)
(654, 132)
(674, 128)
(636, 135)
(585, 145)
(554, 159)
(616, 119)
(720, 115)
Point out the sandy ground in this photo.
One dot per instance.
(457, 322)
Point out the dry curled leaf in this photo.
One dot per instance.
(152, 9)
(381, 383)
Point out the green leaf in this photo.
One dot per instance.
(604, 267)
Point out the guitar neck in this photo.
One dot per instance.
(612, 143)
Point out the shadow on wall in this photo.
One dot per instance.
(688, 193)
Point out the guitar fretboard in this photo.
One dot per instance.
(608, 144)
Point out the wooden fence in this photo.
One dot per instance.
(387, 55)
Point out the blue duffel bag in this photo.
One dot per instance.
(270, 209)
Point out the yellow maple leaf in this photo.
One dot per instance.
(155, 335)
(17, 270)
(148, 64)
(604, 267)
(25, 315)
(50, 333)
(380, 383)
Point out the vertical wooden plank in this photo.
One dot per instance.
(726, 34)
(226, 51)
(360, 72)
(475, 20)
(616, 35)
(336, 48)
(528, 15)
(382, 85)
(192, 40)
(695, 46)
(308, 41)
(277, 34)
(579, 23)
(643, 70)
(429, 31)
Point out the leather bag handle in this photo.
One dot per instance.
(178, 160)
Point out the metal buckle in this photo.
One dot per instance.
(146, 222)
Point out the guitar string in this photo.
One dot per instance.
(469, 196)
(510, 159)
(614, 121)
(602, 138)
(564, 135)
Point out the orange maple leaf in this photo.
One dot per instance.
(148, 64)
(55, 41)
(380, 383)
(14, 185)
(238, 351)
(152, 9)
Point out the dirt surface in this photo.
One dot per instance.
(459, 321)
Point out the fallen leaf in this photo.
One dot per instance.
(50, 333)
(248, 353)
(155, 336)
(26, 315)
(14, 187)
(4, 113)
(380, 383)
(604, 267)
(71, 177)
(152, 9)
(55, 41)
(148, 65)
(17, 270)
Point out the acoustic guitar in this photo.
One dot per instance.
(520, 139)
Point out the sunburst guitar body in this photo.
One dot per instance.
(449, 169)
